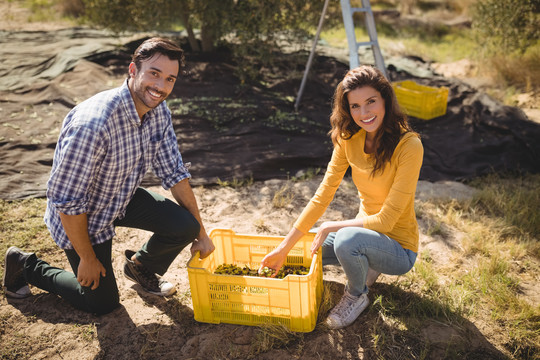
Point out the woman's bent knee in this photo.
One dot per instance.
(345, 238)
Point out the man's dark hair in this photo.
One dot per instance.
(158, 45)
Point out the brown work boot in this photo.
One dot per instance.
(14, 284)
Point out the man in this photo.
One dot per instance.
(106, 145)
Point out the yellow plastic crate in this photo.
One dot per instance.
(250, 300)
(420, 101)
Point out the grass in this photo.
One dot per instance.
(22, 226)
(88, 332)
(479, 287)
(514, 74)
(235, 183)
(508, 69)
(307, 174)
(514, 200)
(283, 197)
(500, 247)
(274, 336)
(261, 226)
(510, 73)
(430, 42)
(57, 11)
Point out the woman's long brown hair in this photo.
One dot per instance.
(394, 124)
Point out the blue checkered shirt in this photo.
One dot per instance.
(102, 155)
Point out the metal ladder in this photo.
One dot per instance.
(348, 12)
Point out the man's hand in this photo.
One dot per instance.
(204, 245)
(90, 268)
(183, 194)
(89, 273)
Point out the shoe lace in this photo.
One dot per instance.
(149, 277)
(345, 305)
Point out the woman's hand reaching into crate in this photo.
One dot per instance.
(274, 260)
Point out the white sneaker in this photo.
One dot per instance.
(372, 276)
(347, 310)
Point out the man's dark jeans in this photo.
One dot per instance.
(173, 226)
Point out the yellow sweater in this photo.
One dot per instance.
(387, 199)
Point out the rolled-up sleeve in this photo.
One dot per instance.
(168, 164)
(72, 174)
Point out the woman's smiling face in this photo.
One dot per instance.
(366, 106)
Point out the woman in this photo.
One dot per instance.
(372, 136)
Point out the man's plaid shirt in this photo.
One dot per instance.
(101, 157)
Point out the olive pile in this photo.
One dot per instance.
(230, 269)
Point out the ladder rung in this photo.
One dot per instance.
(359, 10)
(348, 20)
(366, 43)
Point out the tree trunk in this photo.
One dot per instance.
(207, 38)
(184, 15)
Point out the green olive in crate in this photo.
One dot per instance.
(231, 269)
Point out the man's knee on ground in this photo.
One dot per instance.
(104, 306)
(102, 302)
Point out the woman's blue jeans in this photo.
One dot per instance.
(358, 249)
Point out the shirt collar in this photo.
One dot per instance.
(129, 106)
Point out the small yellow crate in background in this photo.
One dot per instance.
(251, 300)
(420, 101)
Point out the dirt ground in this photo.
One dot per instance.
(150, 327)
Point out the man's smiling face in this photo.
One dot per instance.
(153, 82)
